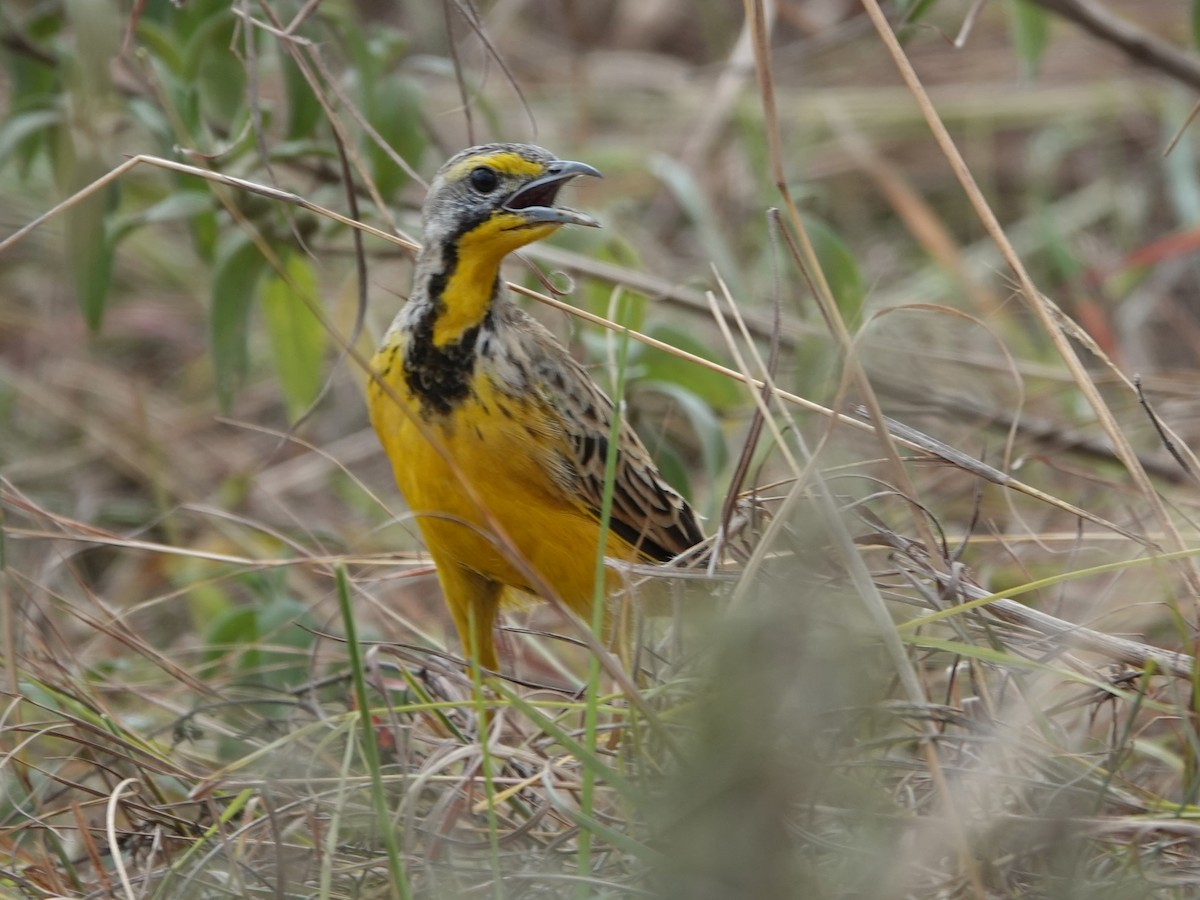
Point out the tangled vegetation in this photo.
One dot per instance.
(905, 302)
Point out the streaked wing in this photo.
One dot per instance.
(647, 512)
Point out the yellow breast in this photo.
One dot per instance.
(489, 462)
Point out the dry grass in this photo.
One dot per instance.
(949, 649)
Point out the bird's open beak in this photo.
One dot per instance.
(535, 201)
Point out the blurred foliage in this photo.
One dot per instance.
(192, 90)
(1031, 34)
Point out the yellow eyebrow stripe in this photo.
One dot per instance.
(504, 163)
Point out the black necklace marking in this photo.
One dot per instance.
(440, 377)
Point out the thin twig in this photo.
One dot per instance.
(1138, 45)
(1175, 448)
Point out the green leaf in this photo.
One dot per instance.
(204, 225)
(189, 16)
(297, 336)
(239, 266)
(1031, 34)
(152, 118)
(179, 99)
(1057, 247)
(21, 130)
(597, 297)
(262, 638)
(286, 656)
(35, 82)
(237, 626)
(701, 419)
(914, 10)
(394, 106)
(694, 201)
(840, 267)
(89, 243)
(303, 149)
(672, 467)
(175, 206)
(715, 389)
(303, 110)
(161, 44)
(219, 78)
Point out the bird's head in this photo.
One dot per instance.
(499, 197)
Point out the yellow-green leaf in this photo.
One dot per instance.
(297, 335)
(1031, 34)
(239, 266)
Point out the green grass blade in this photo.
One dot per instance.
(400, 886)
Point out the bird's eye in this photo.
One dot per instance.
(484, 180)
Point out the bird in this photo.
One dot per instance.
(498, 437)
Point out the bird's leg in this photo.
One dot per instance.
(474, 602)
(621, 628)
